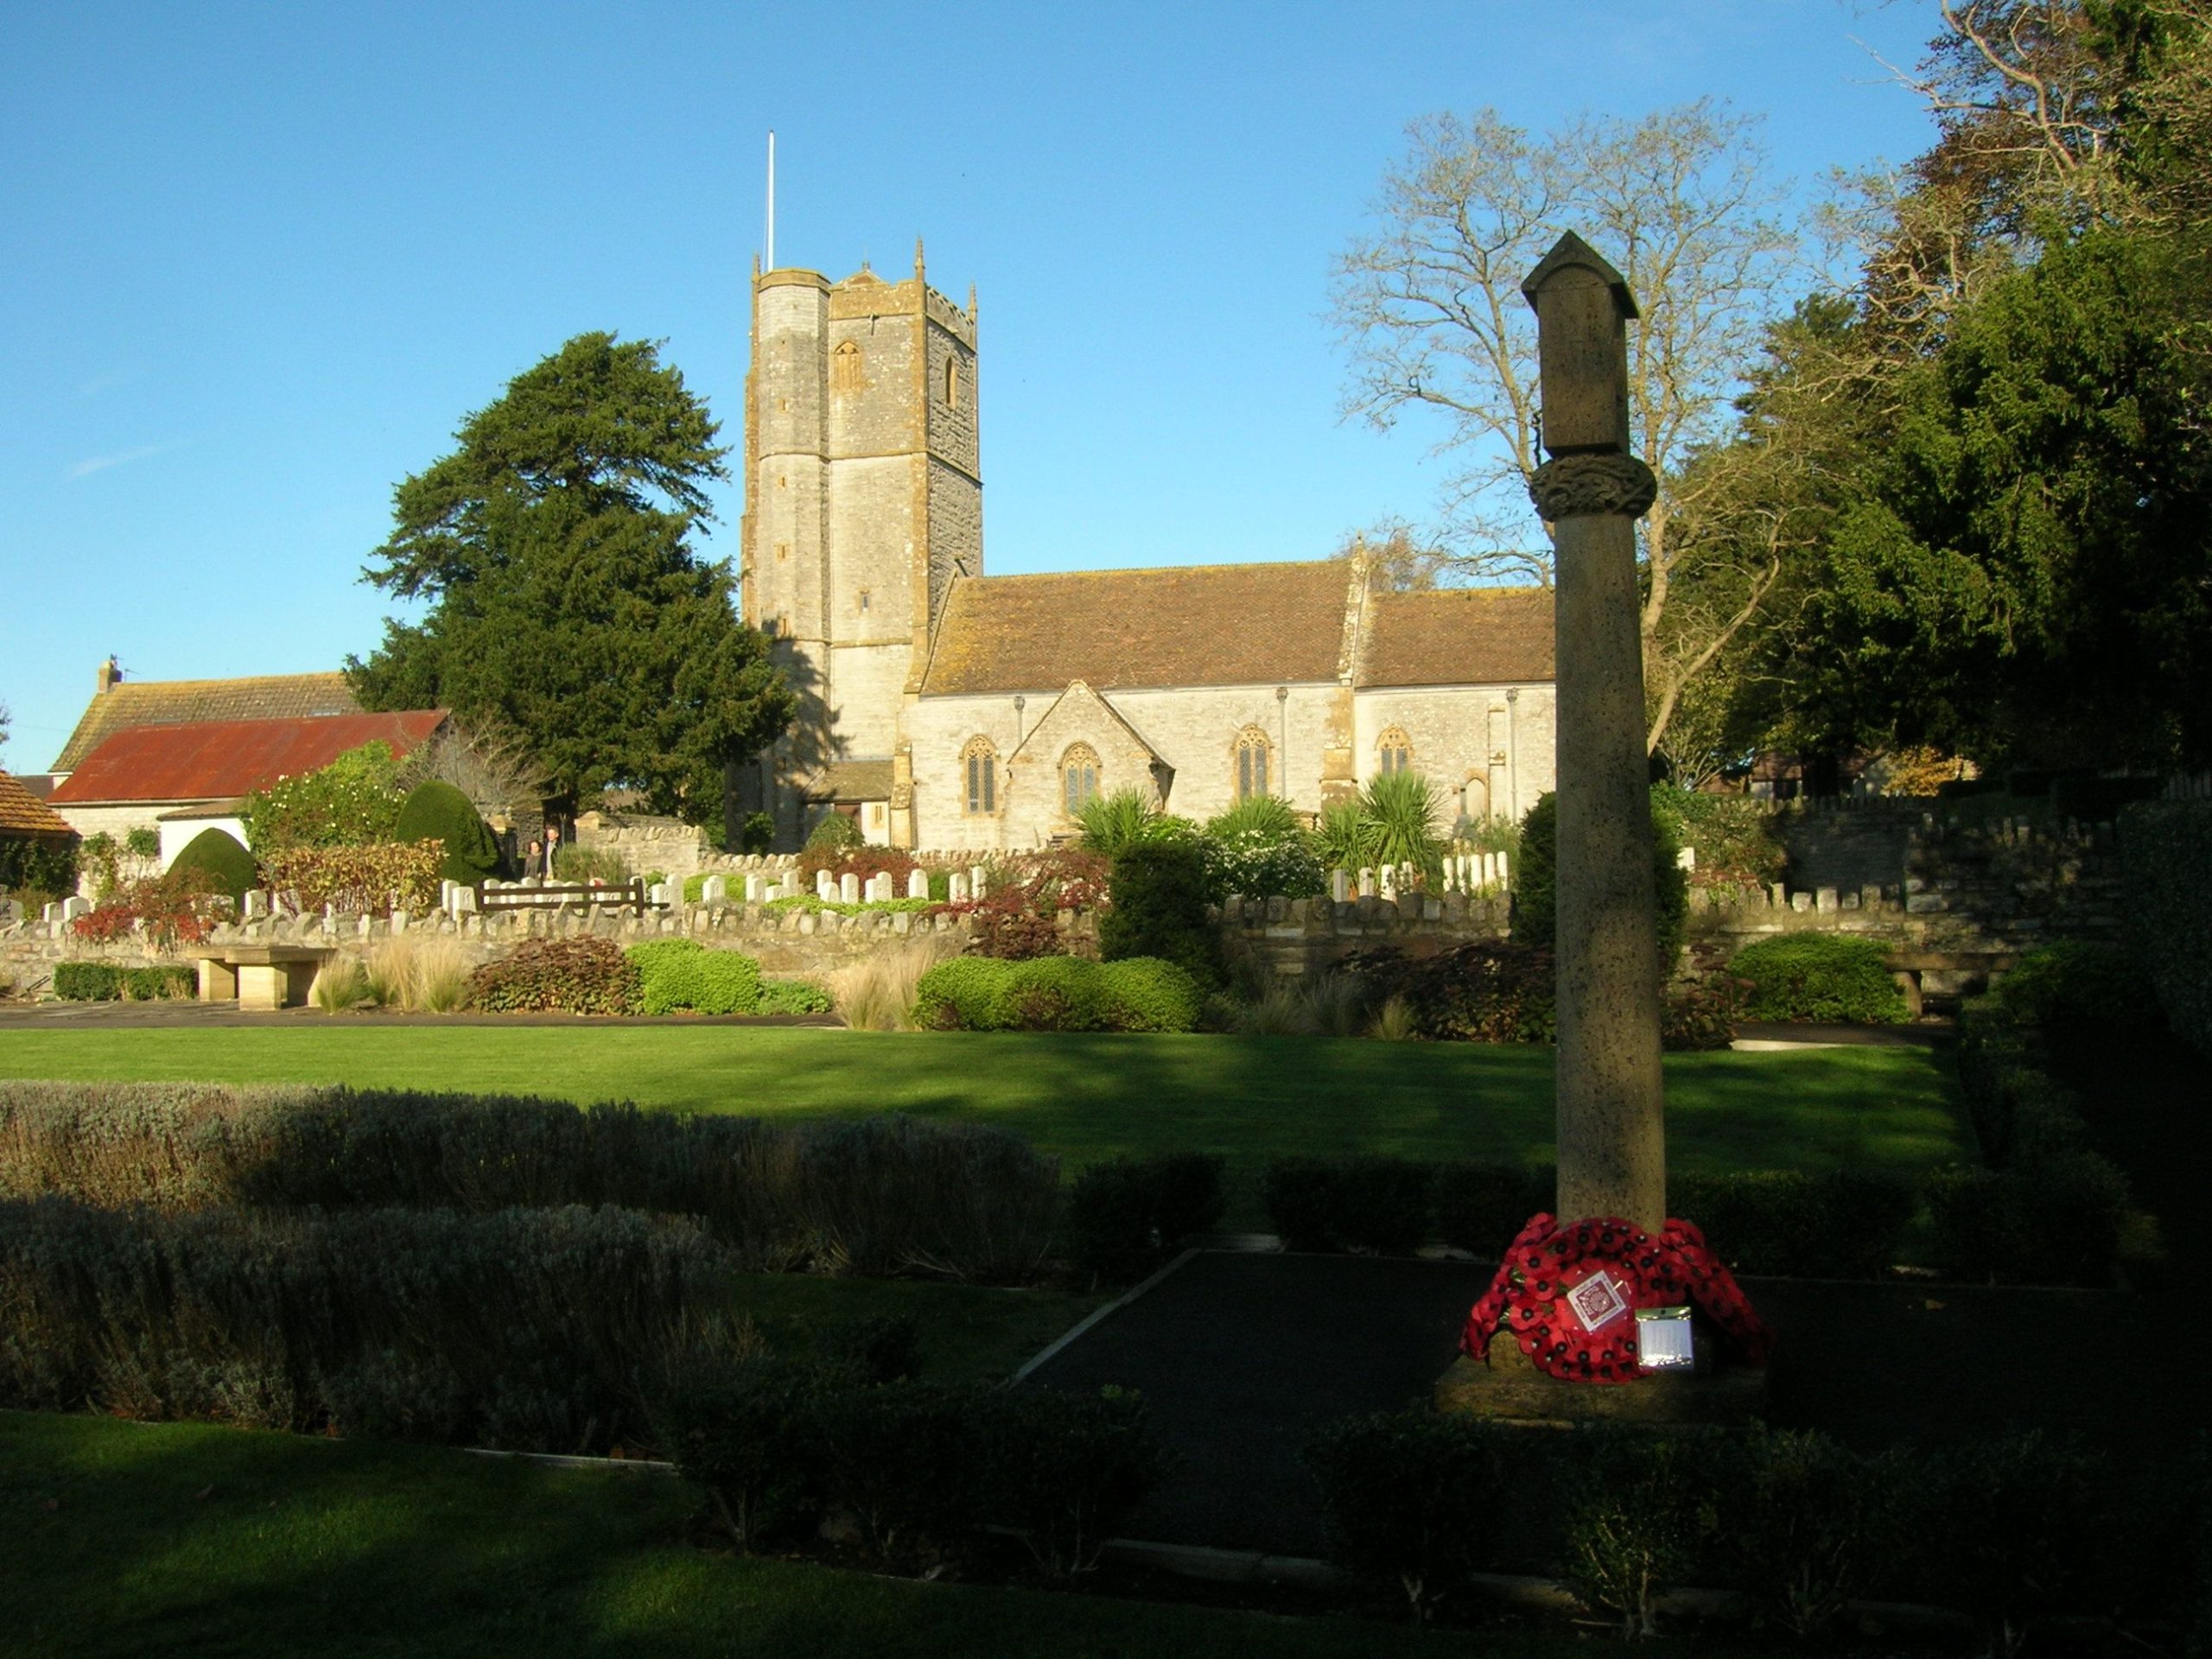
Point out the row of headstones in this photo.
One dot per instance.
(1462, 872)
(961, 886)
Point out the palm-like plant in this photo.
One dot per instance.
(1264, 818)
(1400, 811)
(1342, 839)
(1114, 823)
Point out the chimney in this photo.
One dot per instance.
(110, 676)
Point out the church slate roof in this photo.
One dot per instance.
(1171, 626)
(173, 702)
(23, 813)
(1460, 636)
(211, 760)
(852, 780)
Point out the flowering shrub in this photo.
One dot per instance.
(352, 801)
(371, 878)
(863, 863)
(175, 909)
(586, 976)
(1015, 919)
(1540, 1297)
(1254, 863)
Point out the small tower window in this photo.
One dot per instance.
(865, 597)
(980, 762)
(952, 382)
(1078, 776)
(1252, 753)
(1394, 751)
(845, 368)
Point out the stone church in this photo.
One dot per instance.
(943, 708)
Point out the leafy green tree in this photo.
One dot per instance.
(553, 546)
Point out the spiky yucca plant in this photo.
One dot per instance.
(1342, 839)
(1400, 810)
(1114, 823)
(1268, 816)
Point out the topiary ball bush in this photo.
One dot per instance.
(437, 811)
(1819, 977)
(1536, 897)
(834, 833)
(220, 855)
(1160, 891)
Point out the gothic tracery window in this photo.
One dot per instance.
(979, 766)
(1078, 776)
(1254, 753)
(1394, 751)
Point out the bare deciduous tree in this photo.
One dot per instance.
(1429, 305)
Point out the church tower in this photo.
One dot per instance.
(864, 499)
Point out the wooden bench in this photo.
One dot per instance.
(1907, 966)
(626, 895)
(262, 977)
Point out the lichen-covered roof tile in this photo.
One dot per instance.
(23, 813)
(1189, 625)
(1460, 636)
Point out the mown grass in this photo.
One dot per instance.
(1091, 1097)
(131, 1539)
(969, 1334)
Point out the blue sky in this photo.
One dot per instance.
(259, 260)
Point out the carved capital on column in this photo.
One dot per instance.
(1576, 484)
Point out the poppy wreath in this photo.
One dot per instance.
(1569, 1295)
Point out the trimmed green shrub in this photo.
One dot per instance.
(1341, 1204)
(759, 833)
(224, 858)
(905, 1460)
(677, 974)
(578, 975)
(1807, 1525)
(838, 832)
(2056, 1221)
(1159, 894)
(1837, 1224)
(884, 1348)
(1050, 994)
(1260, 849)
(751, 1434)
(1066, 1471)
(1128, 1215)
(532, 1329)
(1490, 991)
(961, 994)
(104, 981)
(1416, 1503)
(1823, 977)
(792, 997)
(1146, 993)
(1481, 1207)
(436, 811)
(1640, 1516)
(1536, 877)
(2075, 983)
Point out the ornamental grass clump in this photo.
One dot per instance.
(417, 974)
(879, 991)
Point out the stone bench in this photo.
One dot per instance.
(262, 977)
(1907, 966)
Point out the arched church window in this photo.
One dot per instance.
(1254, 756)
(979, 764)
(1078, 776)
(845, 367)
(952, 382)
(1394, 751)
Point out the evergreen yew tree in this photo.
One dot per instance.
(553, 546)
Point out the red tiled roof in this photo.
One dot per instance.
(1174, 625)
(23, 813)
(1460, 636)
(173, 702)
(209, 759)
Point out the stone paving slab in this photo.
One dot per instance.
(1241, 1354)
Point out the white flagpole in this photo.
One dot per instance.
(772, 199)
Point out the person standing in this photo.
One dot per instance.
(535, 863)
(552, 848)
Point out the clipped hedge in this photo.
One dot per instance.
(1535, 876)
(1160, 891)
(1056, 994)
(1819, 976)
(1835, 1224)
(2165, 858)
(873, 1196)
(364, 880)
(436, 811)
(225, 859)
(681, 975)
(792, 997)
(103, 982)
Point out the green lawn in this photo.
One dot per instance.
(969, 1334)
(1088, 1098)
(131, 1539)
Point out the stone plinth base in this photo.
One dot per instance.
(1512, 1389)
(264, 978)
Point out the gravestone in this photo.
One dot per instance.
(713, 890)
(917, 884)
(849, 888)
(957, 887)
(753, 887)
(975, 881)
(825, 887)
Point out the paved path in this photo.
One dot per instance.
(1239, 1354)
